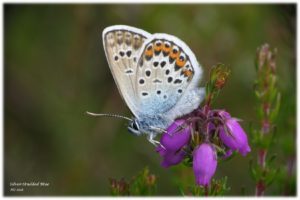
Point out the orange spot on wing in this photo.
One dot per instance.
(188, 73)
(166, 48)
(149, 52)
(174, 55)
(158, 48)
(180, 62)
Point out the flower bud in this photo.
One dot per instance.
(204, 163)
(178, 135)
(233, 135)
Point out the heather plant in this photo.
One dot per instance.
(268, 98)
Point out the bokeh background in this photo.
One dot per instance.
(55, 69)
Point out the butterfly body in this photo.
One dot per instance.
(157, 75)
(149, 124)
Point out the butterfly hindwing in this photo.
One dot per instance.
(166, 69)
(122, 45)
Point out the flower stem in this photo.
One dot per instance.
(260, 188)
(260, 185)
(207, 104)
(206, 190)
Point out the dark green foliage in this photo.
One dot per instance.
(143, 184)
(216, 188)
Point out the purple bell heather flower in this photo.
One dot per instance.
(172, 143)
(169, 157)
(176, 137)
(236, 139)
(204, 163)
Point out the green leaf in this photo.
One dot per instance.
(216, 188)
(271, 159)
(271, 175)
(142, 184)
(255, 174)
(275, 111)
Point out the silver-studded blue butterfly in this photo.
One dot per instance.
(156, 74)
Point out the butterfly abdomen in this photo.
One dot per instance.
(149, 124)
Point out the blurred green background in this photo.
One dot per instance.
(55, 69)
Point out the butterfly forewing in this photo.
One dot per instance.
(166, 69)
(122, 45)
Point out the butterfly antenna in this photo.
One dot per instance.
(107, 115)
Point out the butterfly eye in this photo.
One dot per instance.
(134, 128)
(135, 125)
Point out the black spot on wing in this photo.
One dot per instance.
(141, 62)
(162, 64)
(157, 81)
(155, 64)
(129, 71)
(121, 53)
(141, 81)
(148, 73)
(171, 60)
(128, 53)
(178, 81)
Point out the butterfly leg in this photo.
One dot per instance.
(152, 141)
(157, 129)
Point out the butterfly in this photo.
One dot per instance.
(156, 74)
